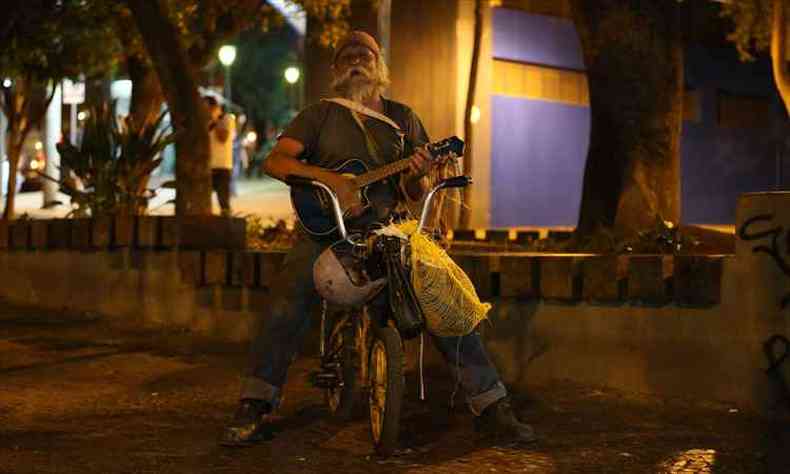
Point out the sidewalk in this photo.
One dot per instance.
(266, 197)
(79, 396)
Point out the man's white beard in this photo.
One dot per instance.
(356, 88)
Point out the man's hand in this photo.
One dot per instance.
(420, 164)
(347, 192)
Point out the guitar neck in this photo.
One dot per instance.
(382, 172)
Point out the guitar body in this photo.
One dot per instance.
(314, 208)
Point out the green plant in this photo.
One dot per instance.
(113, 163)
(271, 235)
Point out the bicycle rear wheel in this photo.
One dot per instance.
(387, 385)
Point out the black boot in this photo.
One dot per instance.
(498, 420)
(247, 426)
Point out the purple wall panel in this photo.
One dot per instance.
(537, 39)
(717, 165)
(538, 152)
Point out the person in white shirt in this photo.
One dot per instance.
(222, 131)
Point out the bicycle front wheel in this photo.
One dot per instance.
(387, 385)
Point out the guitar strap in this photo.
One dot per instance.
(358, 109)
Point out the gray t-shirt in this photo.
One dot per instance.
(331, 136)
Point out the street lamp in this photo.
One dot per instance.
(292, 74)
(227, 54)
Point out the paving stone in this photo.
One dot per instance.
(697, 280)
(518, 277)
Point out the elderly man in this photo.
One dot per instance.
(358, 123)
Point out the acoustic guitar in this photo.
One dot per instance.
(314, 207)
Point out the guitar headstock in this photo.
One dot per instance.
(448, 146)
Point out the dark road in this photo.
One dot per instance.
(79, 396)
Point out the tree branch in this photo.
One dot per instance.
(779, 52)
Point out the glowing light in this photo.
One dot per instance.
(227, 54)
(475, 115)
(7, 82)
(82, 115)
(34, 165)
(692, 460)
(38, 146)
(251, 137)
(669, 224)
(292, 74)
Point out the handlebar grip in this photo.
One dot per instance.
(456, 182)
(292, 180)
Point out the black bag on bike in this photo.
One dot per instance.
(406, 310)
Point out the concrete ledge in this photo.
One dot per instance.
(647, 280)
(80, 234)
(101, 232)
(697, 280)
(559, 278)
(478, 268)
(58, 234)
(602, 279)
(519, 277)
(20, 235)
(38, 234)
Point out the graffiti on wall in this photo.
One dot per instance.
(776, 234)
(777, 347)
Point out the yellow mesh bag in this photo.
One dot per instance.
(446, 294)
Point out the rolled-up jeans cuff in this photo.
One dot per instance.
(259, 389)
(479, 402)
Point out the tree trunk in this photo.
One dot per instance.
(189, 115)
(633, 52)
(16, 114)
(146, 92)
(470, 101)
(779, 51)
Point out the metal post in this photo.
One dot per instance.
(227, 87)
(73, 124)
(3, 125)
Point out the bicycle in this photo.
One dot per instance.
(361, 354)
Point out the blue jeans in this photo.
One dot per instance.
(281, 332)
